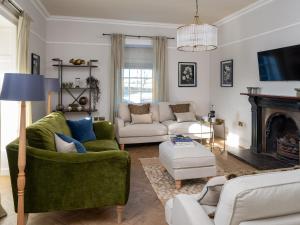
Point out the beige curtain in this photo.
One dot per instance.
(23, 54)
(160, 81)
(117, 65)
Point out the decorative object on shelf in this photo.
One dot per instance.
(35, 64)
(77, 82)
(212, 114)
(22, 88)
(297, 92)
(83, 100)
(253, 90)
(79, 108)
(69, 108)
(92, 82)
(197, 36)
(74, 106)
(187, 74)
(51, 85)
(59, 107)
(227, 73)
(77, 62)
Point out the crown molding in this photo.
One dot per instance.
(243, 11)
(112, 22)
(41, 8)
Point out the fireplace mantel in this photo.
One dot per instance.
(258, 103)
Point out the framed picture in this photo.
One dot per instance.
(35, 64)
(187, 74)
(227, 73)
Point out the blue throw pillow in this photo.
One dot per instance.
(79, 147)
(82, 130)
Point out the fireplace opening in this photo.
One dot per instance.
(282, 137)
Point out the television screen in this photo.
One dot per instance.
(280, 64)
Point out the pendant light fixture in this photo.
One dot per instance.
(197, 36)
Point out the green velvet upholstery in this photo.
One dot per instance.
(68, 181)
(101, 145)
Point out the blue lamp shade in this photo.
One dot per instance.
(22, 87)
(51, 85)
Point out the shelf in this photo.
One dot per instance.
(76, 66)
(82, 111)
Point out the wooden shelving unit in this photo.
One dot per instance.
(75, 92)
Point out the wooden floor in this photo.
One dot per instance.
(143, 207)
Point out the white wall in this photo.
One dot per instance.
(72, 38)
(273, 25)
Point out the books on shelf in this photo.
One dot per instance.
(182, 141)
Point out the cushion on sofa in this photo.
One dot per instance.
(139, 108)
(175, 128)
(82, 130)
(185, 117)
(141, 118)
(101, 145)
(142, 130)
(165, 112)
(180, 108)
(64, 146)
(124, 112)
(41, 133)
(79, 147)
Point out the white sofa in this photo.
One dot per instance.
(164, 125)
(263, 199)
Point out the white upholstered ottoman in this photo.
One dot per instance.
(185, 163)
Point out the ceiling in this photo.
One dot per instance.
(162, 11)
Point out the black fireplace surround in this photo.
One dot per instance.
(276, 126)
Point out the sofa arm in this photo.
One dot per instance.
(186, 210)
(67, 181)
(104, 130)
(119, 122)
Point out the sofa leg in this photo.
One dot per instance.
(178, 184)
(120, 210)
(122, 146)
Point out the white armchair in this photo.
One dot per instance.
(262, 199)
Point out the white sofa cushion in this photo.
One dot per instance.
(258, 197)
(282, 220)
(185, 117)
(175, 128)
(142, 130)
(141, 118)
(124, 112)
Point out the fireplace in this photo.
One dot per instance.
(275, 131)
(282, 136)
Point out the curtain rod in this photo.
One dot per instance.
(14, 5)
(137, 36)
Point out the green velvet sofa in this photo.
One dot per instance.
(68, 181)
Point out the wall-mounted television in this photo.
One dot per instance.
(282, 64)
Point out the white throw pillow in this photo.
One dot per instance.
(185, 117)
(141, 118)
(63, 146)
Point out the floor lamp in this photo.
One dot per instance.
(51, 85)
(22, 87)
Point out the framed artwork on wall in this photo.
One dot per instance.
(227, 73)
(187, 74)
(35, 63)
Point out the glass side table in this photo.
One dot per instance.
(211, 124)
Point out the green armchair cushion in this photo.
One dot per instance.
(100, 145)
(104, 130)
(41, 133)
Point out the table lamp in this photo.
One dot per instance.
(51, 85)
(22, 87)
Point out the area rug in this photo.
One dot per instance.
(163, 184)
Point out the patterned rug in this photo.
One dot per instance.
(164, 185)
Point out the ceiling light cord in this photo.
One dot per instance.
(197, 10)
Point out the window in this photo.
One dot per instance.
(137, 80)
